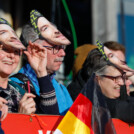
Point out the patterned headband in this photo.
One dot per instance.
(101, 49)
(3, 21)
(34, 15)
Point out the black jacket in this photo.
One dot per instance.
(75, 87)
(122, 107)
(1, 131)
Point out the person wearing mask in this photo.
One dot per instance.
(45, 34)
(119, 51)
(77, 84)
(111, 80)
(10, 98)
(14, 97)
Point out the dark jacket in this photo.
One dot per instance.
(46, 103)
(1, 131)
(75, 87)
(122, 107)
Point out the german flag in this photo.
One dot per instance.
(88, 114)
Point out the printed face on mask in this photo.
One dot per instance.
(9, 37)
(9, 56)
(51, 33)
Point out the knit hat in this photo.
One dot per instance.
(81, 53)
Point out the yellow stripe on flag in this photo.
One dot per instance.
(72, 125)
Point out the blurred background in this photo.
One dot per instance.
(81, 21)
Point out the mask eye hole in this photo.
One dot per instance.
(110, 55)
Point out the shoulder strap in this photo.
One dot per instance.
(24, 79)
(17, 87)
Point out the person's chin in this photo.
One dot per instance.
(57, 68)
(6, 73)
(17, 45)
(68, 42)
(9, 68)
(60, 42)
(117, 95)
(65, 42)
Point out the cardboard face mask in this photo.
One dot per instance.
(8, 36)
(47, 30)
(109, 56)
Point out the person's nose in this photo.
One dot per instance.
(11, 55)
(56, 31)
(61, 52)
(13, 35)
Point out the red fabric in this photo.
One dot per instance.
(123, 127)
(26, 124)
(82, 109)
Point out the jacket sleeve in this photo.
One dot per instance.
(125, 110)
(47, 99)
(122, 109)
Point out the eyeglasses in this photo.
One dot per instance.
(56, 48)
(114, 78)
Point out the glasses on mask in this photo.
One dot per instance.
(114, 78)
(56, 48)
